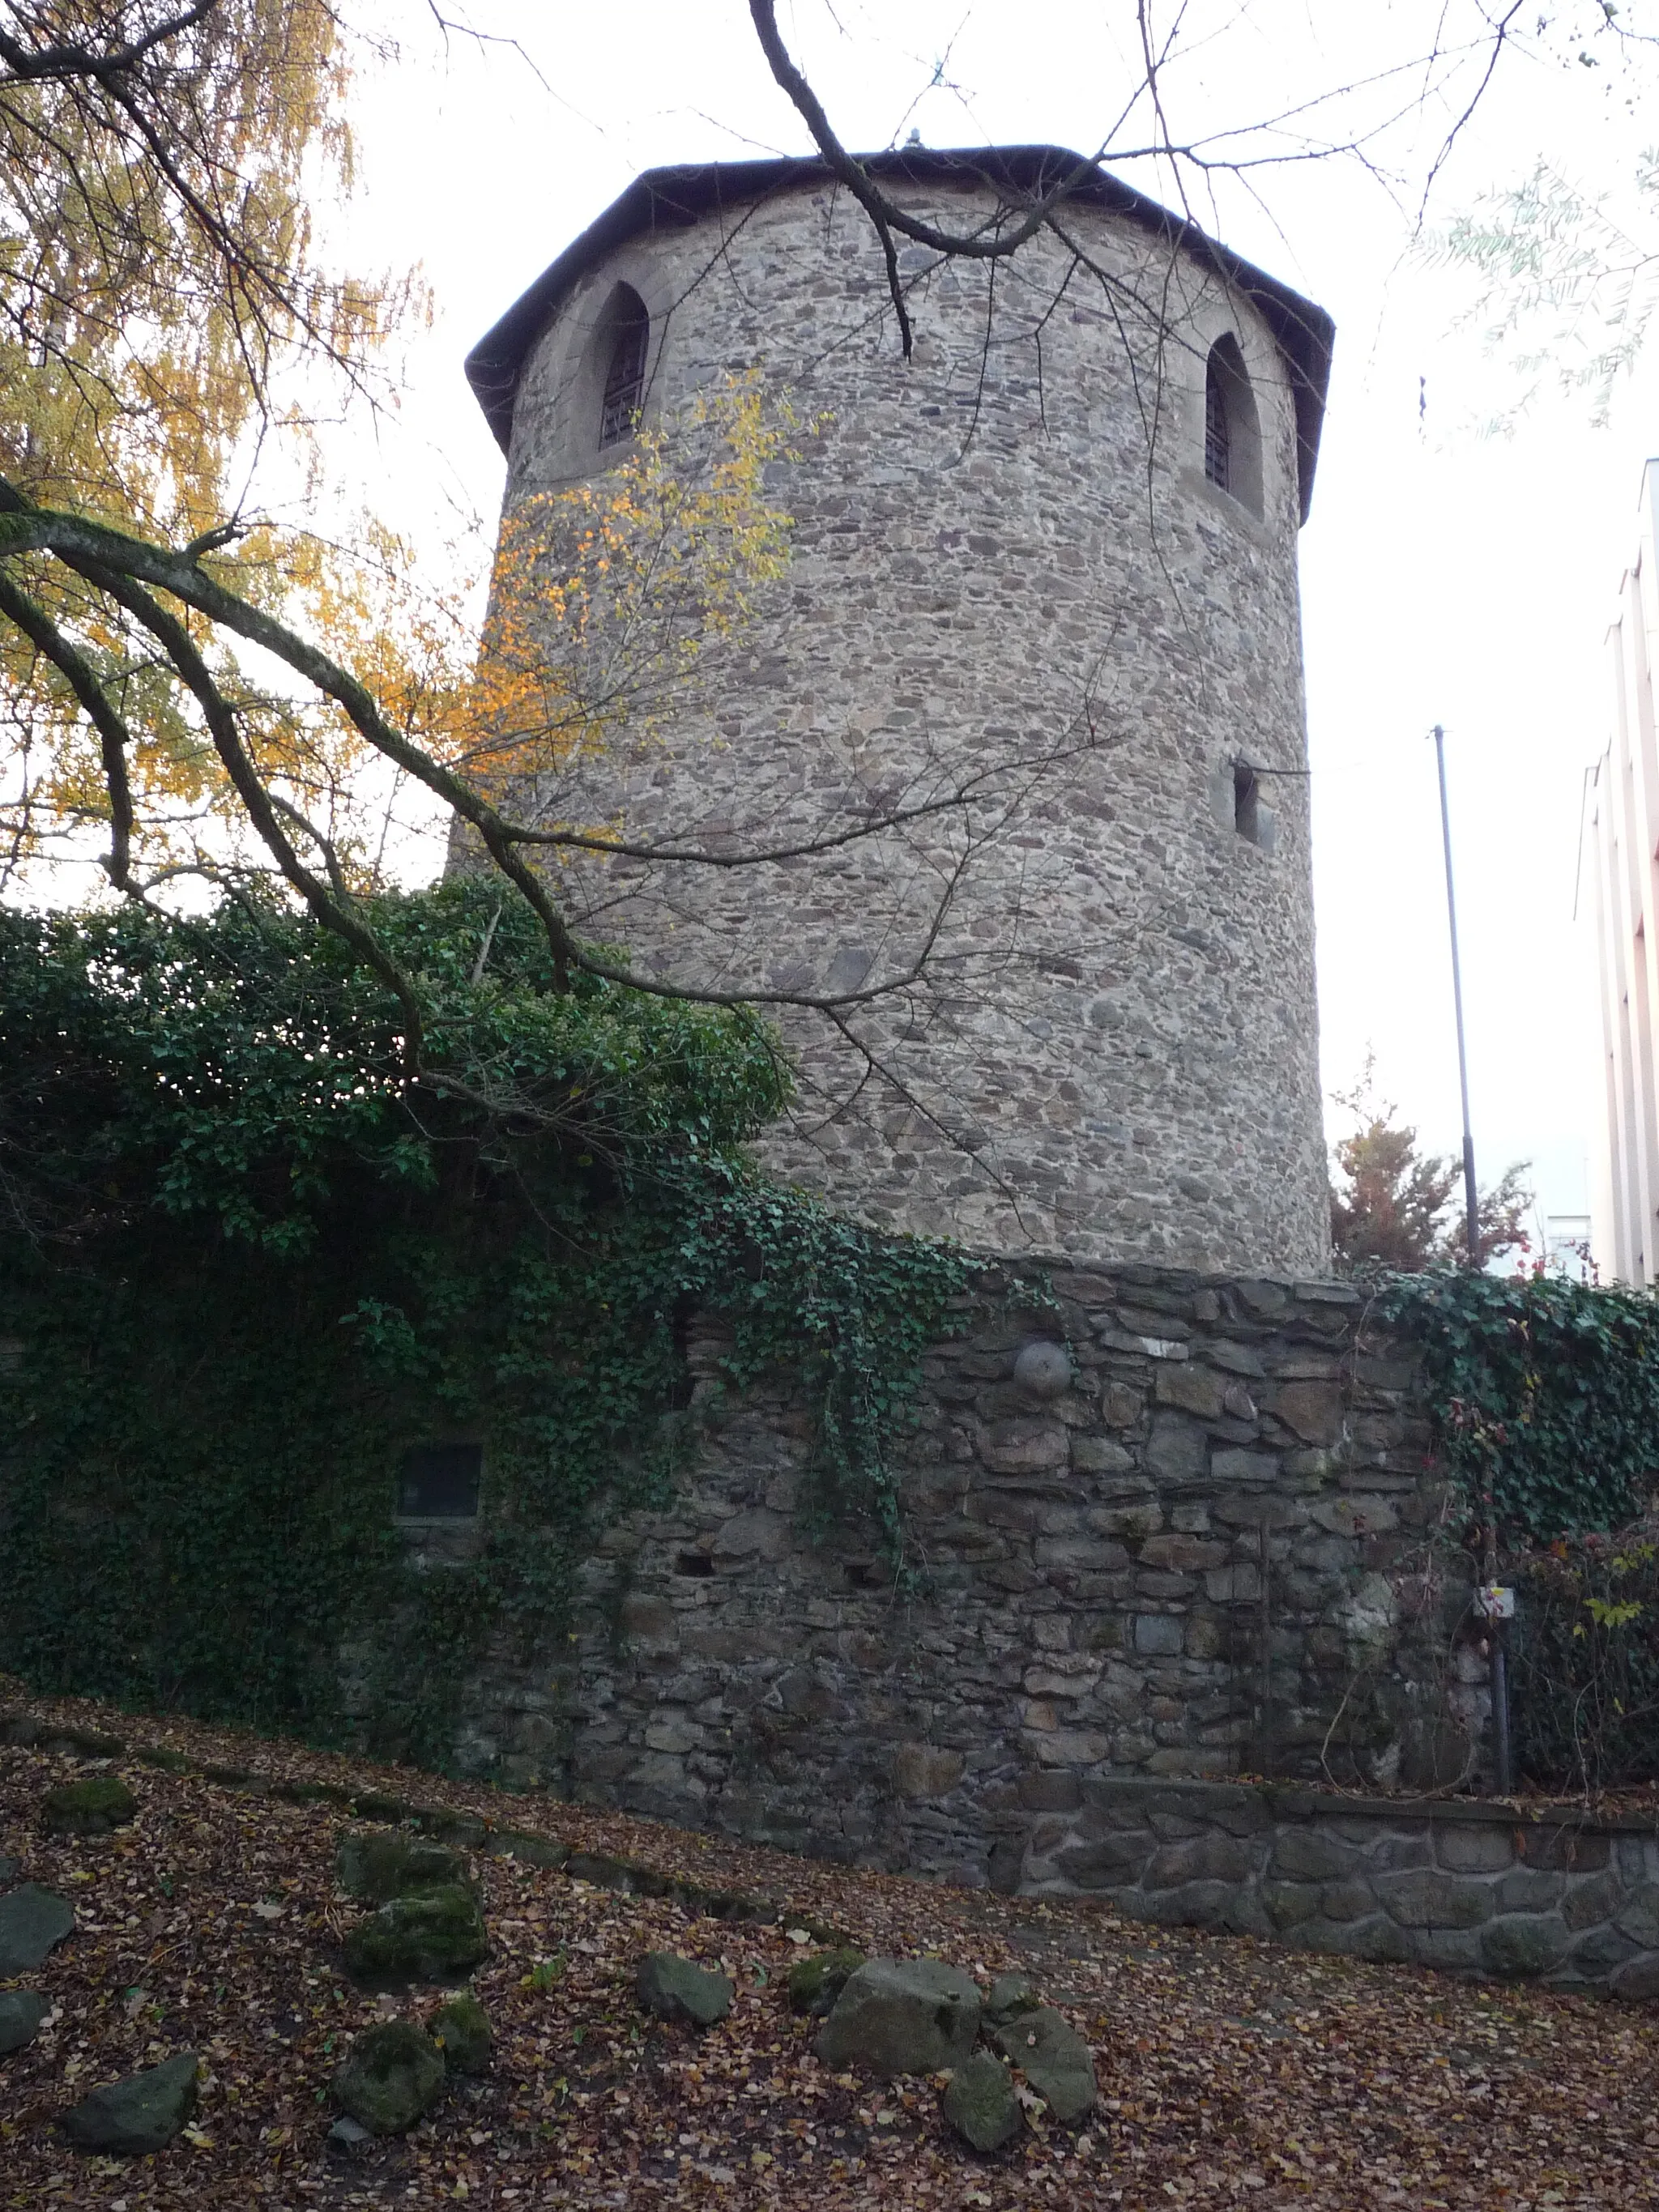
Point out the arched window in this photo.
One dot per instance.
(1217, 438)
(629, 332)
(1232, 431)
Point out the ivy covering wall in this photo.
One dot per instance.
(247, 1259)
(1545, 1393)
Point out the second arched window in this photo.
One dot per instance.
(1232, 428)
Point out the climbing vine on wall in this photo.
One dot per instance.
(245, 1260)
(1545, 1393)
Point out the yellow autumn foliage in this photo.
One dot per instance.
(606, 596)
(166, 326)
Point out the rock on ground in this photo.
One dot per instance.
(460, 2029)
(437, 1936)
(1053, 2058)
(393, 2074)
(21, 2012)
(814, 1983)
(678, 1989)
(91, 1808)
(903, 2016)
(378, 1864)
(32, 1922)
(981, 2104)
(348, 2138)
(1010, 1994)
(143, 2114)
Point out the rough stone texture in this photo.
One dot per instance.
(349, 2139)
(460, 2028)
(377, 1864)
(92, 1806)
(1094, 1602)
(815, 1984)
(903, 2016)
(128, 2118)
(1055, 2059)
(33, 1923)
(392, 2076)
(981, 2105)
(21, 2012)
(1011, 1995)
(983, 571)
(1589, 1930)
(1059, 1713)
(679, 1989)
(438, 1936)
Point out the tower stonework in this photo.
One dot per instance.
(1056, 548)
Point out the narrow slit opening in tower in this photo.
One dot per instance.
(1247, 802)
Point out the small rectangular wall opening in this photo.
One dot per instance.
(440, 1482)
(1247, 802)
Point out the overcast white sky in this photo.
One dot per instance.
(1447, 575)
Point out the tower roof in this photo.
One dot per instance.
(671, 198)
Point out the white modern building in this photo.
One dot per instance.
(1619, 897)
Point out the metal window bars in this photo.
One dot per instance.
(624, 383)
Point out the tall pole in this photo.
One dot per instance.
(1472, 1204)
(1502, 1759)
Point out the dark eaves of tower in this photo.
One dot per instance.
(671, 198)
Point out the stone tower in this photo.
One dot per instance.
(1056, 549)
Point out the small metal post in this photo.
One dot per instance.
(1264, 1746)
(1471, 1202)
(1502, 1763)
(1500, 1711)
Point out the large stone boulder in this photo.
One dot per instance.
(814, 1983)
(377, 1864)
(32, 1922)
(460, 2028)
(678, 1989)
(142, 2114)
(89, 1808)
(21, 2012)
(981, 2104)
(1053, 2058)
(393, 2074)
(903, 2016)
(437, 1936)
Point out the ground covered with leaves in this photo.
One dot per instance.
(1231, 2072)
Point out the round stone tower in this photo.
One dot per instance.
(1038, 644)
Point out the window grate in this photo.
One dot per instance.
(624, 383)
(1218, 433)
(440, 1482)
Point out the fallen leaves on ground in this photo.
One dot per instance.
(1231, 2072)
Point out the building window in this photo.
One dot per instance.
(440, 1482)
(1218, 444)
(624, 379)
(1247, 801)
(1232, 430)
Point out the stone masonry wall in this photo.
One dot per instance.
(1471, 1889)
(1090, 1535)
(1112, 1048)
